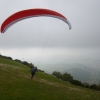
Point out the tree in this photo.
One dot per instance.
(57, 74)
(76, 82)
(25, 63)
(67, 77)
(31, 65)
(17, 60)
(95, 87)
(85, 84)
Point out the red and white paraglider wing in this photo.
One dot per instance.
(31, 13)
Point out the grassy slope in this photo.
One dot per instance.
(15, 84)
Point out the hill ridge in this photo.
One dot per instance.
(15, 84)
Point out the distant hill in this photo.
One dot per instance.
(79, 71)
(80, 74)
(84, 74)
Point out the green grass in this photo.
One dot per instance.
(15, 84)
(10, 62)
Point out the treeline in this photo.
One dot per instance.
(17, 60)
(1, 56)
(68, 78)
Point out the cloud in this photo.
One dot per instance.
(34, 35)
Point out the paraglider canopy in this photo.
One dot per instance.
(31, 13)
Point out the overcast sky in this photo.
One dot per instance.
(45, 40)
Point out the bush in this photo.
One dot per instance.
(67, 77)
(76, 82)
(57, 74)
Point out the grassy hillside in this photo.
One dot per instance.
(15, 84)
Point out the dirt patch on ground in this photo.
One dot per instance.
(9, 66)
(47, 82)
